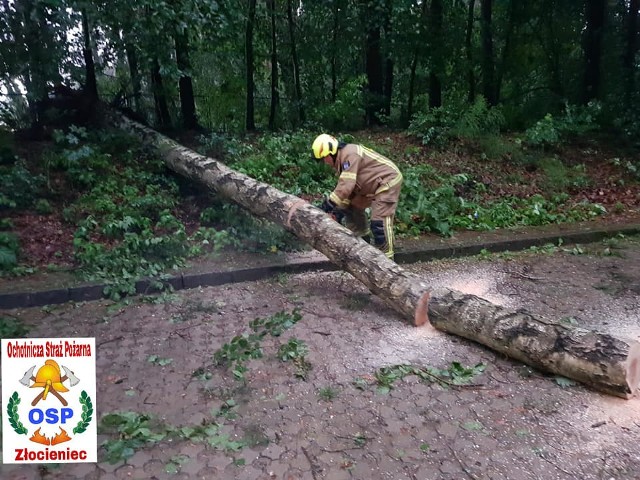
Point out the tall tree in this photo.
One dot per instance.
(471, 77)
(163, 117)
(387, 90)
(488, 62)
(509, 29)
(250, 122)
(275, 97)
(631, 48)
(91, 84)
(295, 63)
(592, 47)
(415, 59)
(187, 100)
(373, 56)
(437, 54)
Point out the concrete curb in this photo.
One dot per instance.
(187, 281)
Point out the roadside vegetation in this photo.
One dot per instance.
(125, 216)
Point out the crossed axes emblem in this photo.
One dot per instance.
(48, 378)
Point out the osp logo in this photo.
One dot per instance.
(48, 387)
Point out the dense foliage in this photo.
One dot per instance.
(340, 64)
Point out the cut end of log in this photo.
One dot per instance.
(422, 311)
(633, 368)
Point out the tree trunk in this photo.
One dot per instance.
(163, 117)
(601, 361)
(250, 122)
(414, 62)
(296, 65)
(553, 51)
(134, 73)
(437, 60)
(334, 51)
(471, 77)
(593, 33)
(412, 82)
(185, 84)
(275, 98)
(631, 49)
(388, 63)
(506, 50)
(375, 86)
(488, 62)
(91, 85)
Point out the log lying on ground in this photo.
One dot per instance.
(602, 361)
(599, 360)
(403, 291)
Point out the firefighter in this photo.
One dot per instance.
(365, 179)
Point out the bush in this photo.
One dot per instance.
(429, 203)
(438, 126)
(347, 110)
(574, 122)
(284, 161)
(19, 187)
(9, 249)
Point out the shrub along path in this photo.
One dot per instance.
(332, 385)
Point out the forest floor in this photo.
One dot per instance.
(330, 418)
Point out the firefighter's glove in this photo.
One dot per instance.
(328, 206)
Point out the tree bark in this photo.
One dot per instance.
(296, 64)
(630, 49)
(375, 85)
(488, 62)
(388, 63)
(334, 51)
(275, 97)
(471, 77)
(601, 361)
(437, 59)
(594, 30)
(91, 85)
(250, 122)
(134, 73)
(185, 84)
(163, 117)
(414, 62)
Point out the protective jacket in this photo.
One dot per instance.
(365, 175)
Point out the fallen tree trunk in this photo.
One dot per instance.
(403, 291)
(602, 361)
(599, 360)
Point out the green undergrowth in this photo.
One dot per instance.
(134, 219)
(431, 201)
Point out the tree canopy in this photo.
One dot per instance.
(237, 65)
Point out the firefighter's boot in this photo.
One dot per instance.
(382, 231)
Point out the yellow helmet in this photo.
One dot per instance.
(48, 376)
(324, 145)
